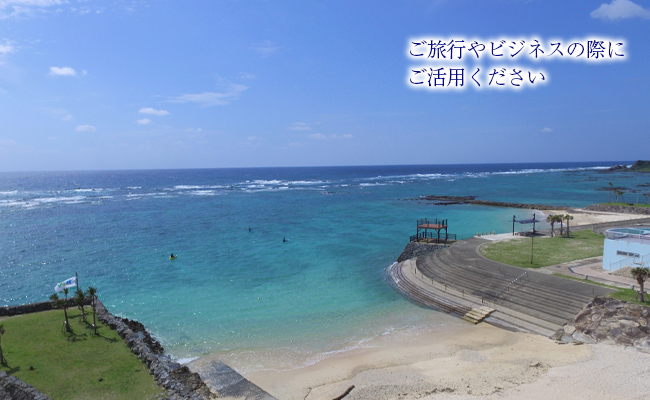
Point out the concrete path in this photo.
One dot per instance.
(229, 383)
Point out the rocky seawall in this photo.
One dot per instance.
(12, 388)
(437, 200)
(619, 209)
(540, 207)
(176, 378)
(611, 321)
(415, 249)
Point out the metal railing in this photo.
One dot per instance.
(449, 288)
(511, 283)
(629, 262)
(431, 237)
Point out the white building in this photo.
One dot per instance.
(626, 247)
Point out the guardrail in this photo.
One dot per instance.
(511, 283)
(614, 235)
(431, 237)
(627, 222)
(448, 288)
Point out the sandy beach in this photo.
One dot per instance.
(587, 217)
(469, 362)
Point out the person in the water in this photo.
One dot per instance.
(284, 239)
(172, 256)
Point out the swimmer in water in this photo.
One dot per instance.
(284, 239)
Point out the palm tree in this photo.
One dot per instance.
(611, 187)
(646, 195)
(551, 220)
(3, 360)
(567, 218)
(560, 218)
(641, 274)
(58, 303)
(92, 294)
(80, 298)
(618, 193)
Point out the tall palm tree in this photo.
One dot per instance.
(80, 298)
(551, 220)
(646, 195)
(92, 294)
(641, 274)
(58, 303)
(560, 218)
(567, 218)
(3, 360)
(618, 193)
(611, 187)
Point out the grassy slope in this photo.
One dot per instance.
(547, 251)
(69, 366)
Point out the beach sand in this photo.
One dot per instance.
(469, 362)
(586, 217)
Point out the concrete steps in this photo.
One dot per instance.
(546, 298)
(434, 295)
(524, 294)
(476, 315)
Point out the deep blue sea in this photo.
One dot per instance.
(245, 294)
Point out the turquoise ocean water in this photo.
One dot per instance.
(247, 295)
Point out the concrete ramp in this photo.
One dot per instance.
(229, 383)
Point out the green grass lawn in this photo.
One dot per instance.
(626, 205)
(70, 366)
(547, 251)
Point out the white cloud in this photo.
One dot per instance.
(194, 130)
(299, 126)
(317, 136)
(620, 9)
(546, 130)
(143, 121)
(6, 48)
(265, 49)
(85, 128)
(67, 118)
(32, 8)
(246, 76)
(207, 99)
(320, 136)
(153, 111)
(6, 143)
(62, 71)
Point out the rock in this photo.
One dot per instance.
(581, 337)
(567, 339)
(535, 364)
(643, 345)
(568, 329)
(415, 249)
(582, 315)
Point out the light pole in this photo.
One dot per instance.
(532, 245)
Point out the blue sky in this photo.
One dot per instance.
(197, 84)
